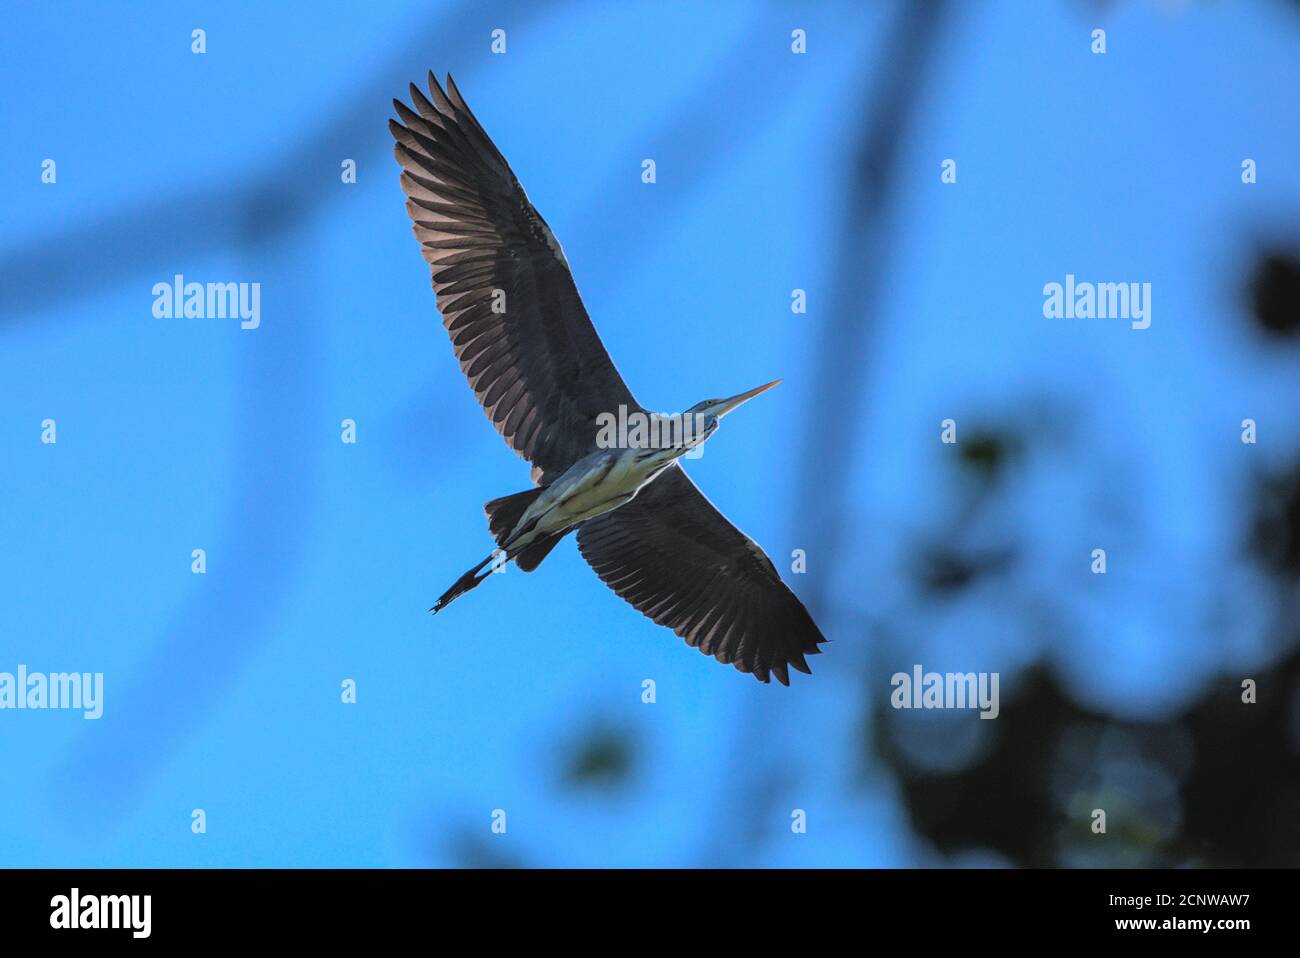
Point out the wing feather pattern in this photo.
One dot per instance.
(507, 298)
(677, 559)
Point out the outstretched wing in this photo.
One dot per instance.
(677, 559)
(520, 331)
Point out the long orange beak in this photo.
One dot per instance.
(729, 404)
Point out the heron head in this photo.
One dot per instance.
(711, 410)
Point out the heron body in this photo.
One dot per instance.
(535, 362)
(593, 485)
(602, 481)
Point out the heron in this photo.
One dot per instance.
(537, 366)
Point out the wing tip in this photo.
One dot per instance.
(454, 91)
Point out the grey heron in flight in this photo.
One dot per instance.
(540, 371)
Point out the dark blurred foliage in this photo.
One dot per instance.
(988, 454)
(597, 764)
(601, 759)
(943, 570)
(471, 848)
(1275, 532)
(1275, 294)
(1242, 798)
(947, 565)
(1219, 786)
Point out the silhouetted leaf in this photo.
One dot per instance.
(1275, 293)
(603, 759)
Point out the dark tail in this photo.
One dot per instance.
(503, 515)
(462, 585)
